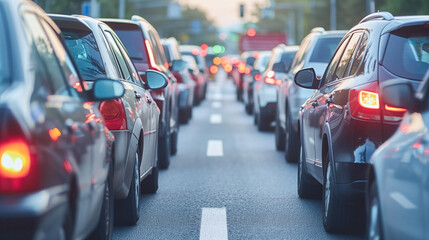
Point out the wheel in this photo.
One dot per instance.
(291, 141)
(66, 231)
(308, 187)
(255, 118)
(104, 228)
(374, 229)
(173, 141)
(248, 108)
(184, 116)
(164, 149)
(150, 183)
(336, 215)
(127, 210)
(262, 123)
(279, 135)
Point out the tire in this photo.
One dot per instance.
(164, 149)
(66, 231)
(279, 135)
(262, 123)
(104, 228)
(127, 210)
(308, 187)
(248, 108)
(336, 215)
(292, 142)
(184, 116)
(173, 141)
(150, 183)
(374, 221)
(190, 112)
(255, 118)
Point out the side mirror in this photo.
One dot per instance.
(279, 67)
(156, 80)
(306, 78)
(398, 93)
(107, 89)
(178, 65)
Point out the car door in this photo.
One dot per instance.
(64, 103)
(321, 104)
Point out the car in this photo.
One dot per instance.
(143, 43)
(133, 119)
(56, 170)
(248, 58)
(397, 196)
(195, 52)
(184, 79)
(315, 51)
(251, 83)
(346, 119)
(197, 77)
(265, 92)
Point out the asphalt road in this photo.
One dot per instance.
(243, 190)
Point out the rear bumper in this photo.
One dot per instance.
(38, 215)
(351, 180)
(268, 111)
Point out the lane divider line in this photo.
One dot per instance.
(215, 119)
(213, 224)
(402, 200)
(214, 148)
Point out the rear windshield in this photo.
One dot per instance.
(262, 62)
(325, 49)
(84, 50)
(134, 43)
(287, 58)
(4, 68)
(407, 52)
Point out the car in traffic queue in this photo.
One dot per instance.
(248, 58)
(197, 77)
(347, 119)
(56, 171)
(253, 82)
(143, 44)
(315, 51)
(184, 79)
(265, 90)
(133, 119)
(398, 193)
(197, 54)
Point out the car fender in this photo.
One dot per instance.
(327, 132)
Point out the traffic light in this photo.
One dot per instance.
(241, 10)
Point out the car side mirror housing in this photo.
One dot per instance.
(155, 80)
(279, 67)
(400, 94)
(306, 78)
(178, 65)
(107, 89)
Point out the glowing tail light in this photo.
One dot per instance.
(18, 167)
(213, 69)
(151, 56)
(269, 79)
(369, 99)
(258, 77)
(364, 102)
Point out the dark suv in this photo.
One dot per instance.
(346, 119)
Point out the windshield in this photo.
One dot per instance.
(287, 58)
(4, 67)
(134, 43)
(407, 53)
(324, 49)
(262, 62)
(84, 50)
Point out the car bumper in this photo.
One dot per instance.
(268, 111)
(38, 215)
(351, 180)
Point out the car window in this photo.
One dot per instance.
(85, 52)
(121, 61)
(134, 42)
(286, 58)
(324, 49)
(47, 55)
(358, 66)
(301, 53)
(156, 48)
(407, 52)
(347, 56)
(330, 70)
(4, 63)
(167, 52)
(134, 75)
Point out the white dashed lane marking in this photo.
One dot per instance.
(215, 119)
(213, 224)
(214, 148)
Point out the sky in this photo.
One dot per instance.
(224, 12)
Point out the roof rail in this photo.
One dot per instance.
(383, 15)
(318, 29)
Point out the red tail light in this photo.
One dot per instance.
(393, 114)
(242, 67)
(151, 57)
(365, 103)
(213, 69)
(258, 77)
(247, 70)
(113, 112)
(269, 79)
(227, 68)
(18, 167)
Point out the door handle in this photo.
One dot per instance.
(138, 95)
(149, 100)
(329, 100)
(314, 104)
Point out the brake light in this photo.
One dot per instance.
(213, 69)
(369, 99)
(227, 68)
(258, 77)
(364, 102)
(394, 109)
(393, 114)
(247, 70)
(271, 74)
(151, 56)
(269, 79)
(18, 168)
(113, 112)
(242, 67)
